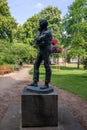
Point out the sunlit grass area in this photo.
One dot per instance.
(68, 78)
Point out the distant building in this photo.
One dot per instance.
(74, 60)
(62, 60)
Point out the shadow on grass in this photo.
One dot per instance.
(67, 68)
(83, 76)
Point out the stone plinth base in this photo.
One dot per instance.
(39, 110)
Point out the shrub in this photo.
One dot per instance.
(13, 53)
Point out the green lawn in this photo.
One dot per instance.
(68, 78)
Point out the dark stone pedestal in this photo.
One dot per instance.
(39, 110)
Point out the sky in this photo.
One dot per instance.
(21, 10)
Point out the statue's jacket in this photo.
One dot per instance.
(43, 40)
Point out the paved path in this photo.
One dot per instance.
(12, 85)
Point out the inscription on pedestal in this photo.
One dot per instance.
(39, 110)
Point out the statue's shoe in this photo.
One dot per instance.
(33, 84)
(44, 87)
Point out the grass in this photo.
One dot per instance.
(68, 78)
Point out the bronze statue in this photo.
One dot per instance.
(43, 40)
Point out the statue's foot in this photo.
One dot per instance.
(33, 84)
(45, 86)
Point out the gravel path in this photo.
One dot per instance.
(8, 80)
(11, 86)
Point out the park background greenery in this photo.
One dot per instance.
(17, 41)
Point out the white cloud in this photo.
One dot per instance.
(39, 5)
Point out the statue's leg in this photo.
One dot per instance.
(47, 68)
(36, 68)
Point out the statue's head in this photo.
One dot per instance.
(43, 23)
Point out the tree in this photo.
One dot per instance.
(75, 26)
(7, 22)
(52, 14)
(29, 29)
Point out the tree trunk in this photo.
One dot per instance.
(78, 63)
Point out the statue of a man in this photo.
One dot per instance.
(43, 40)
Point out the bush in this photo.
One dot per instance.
(23, 52)
(9, 59)
(13, 53)
(2, 58)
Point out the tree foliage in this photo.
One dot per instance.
(75, 27)
(52, 14)
(75, 24)
(7, 22)
(28, 31)
(12, 53)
